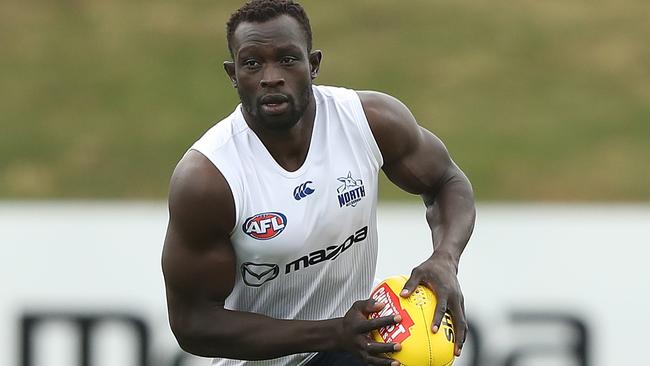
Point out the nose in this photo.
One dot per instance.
(272, 77)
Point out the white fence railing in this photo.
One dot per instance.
(549, 285)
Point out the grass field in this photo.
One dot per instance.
(537, 100)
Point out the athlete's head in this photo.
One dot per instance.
(259, 11)
(272, 63)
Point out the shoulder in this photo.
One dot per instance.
(221, 134)
(334, 94)
(383, 108)
(392, 123)
(200, 198)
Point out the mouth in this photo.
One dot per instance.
(274, 103)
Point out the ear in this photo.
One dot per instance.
(314, 63)
(229, 67)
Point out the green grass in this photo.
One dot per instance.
(536, 100)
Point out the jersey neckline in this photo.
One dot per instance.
(266, 155)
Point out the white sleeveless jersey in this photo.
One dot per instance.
(305, 241)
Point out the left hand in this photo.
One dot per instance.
(440, 275)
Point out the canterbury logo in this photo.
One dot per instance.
(302, 191)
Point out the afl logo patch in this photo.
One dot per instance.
(264, 226)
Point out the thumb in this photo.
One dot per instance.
(410, 286)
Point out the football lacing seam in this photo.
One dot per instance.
(424, 321)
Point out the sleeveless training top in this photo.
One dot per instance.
(305, 241)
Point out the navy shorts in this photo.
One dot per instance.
(335, 358)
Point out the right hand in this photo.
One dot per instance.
(354, 333)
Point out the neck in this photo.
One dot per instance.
(288, 147)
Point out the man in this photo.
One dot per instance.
(271, 247)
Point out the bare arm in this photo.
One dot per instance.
(418, 162)
(199, 267)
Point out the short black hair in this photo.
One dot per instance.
(258, 11)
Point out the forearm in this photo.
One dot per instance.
(250, 336)
(451, 214)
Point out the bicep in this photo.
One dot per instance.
(422, 166)
(197, 273)
(198, 259)
(198, 278)
(414, 158)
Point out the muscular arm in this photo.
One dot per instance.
(418, 162)
(199, 268)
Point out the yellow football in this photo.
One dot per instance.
(420, 346)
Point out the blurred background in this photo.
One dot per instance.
(544, 104)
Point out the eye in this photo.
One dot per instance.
(288, 60)
(251, 63)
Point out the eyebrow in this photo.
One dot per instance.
(282, 48)
(290, 47)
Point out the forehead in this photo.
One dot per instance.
(282, 30)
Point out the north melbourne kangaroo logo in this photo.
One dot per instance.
(303, 190)
(351, 191)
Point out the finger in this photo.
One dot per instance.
(460, 328)
(378, 347)
(380, 361)
(368, 306)
(461, 335)
(384, 321)
(411, 284)
(441, 308)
